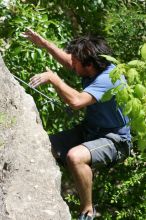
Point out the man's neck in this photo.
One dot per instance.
(91, 72)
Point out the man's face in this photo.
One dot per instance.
(78, 67)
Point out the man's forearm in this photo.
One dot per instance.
(72, 97)
(69, 95)
(61, 56)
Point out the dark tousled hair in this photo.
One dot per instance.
(88, 49)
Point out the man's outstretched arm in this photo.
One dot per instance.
(60, 55)
(76, 100)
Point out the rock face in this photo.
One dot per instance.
(29, 176)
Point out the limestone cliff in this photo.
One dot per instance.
(29, 176)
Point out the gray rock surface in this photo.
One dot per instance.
(29, 177)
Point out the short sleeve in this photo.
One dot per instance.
(99, 86)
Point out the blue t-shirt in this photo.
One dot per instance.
(104, 115)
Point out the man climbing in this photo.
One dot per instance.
(103, 138)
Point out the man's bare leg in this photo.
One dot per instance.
(78, 160)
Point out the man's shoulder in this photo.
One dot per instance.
(107, 71)
(104, 77)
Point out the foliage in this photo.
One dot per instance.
(119, 192)
(132, 97)
(125, 26)
(81, 14)
(122, 22)
(121, 195)
(24, 59)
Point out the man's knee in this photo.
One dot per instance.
(78, 155)
(73, 157)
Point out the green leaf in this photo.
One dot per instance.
(142, 143)
(136, 63)
(140, 91)
(111, 59)
(107, 95)
(136, 107)
(128, 108)
(115, 75)
(143, 51)
(16, 50)
(122, 96)
(132, 75)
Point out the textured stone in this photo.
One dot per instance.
(29, 176)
